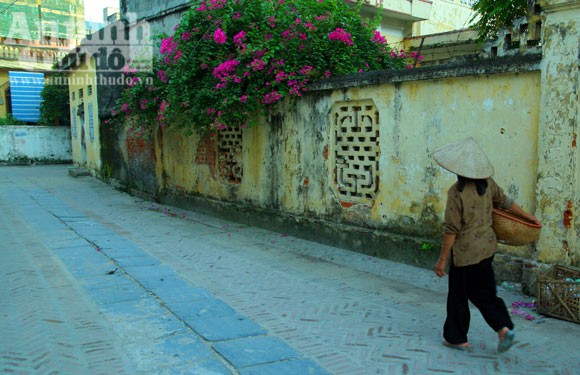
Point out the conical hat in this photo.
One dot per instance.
(464, 158)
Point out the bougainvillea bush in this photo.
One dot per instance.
(229, 60)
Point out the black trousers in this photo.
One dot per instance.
(475, 283)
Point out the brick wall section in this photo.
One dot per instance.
(206, 153)
(141, 161)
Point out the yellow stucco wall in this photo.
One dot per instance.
(86, 143)
(525, 118)
(4, 84)
(286, 165)
(558, 172)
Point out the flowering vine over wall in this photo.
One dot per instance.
(229, 60)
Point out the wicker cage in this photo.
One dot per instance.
(514, 230)
(559, 293)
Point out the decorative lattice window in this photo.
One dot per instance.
(230, 155)
(354, 151)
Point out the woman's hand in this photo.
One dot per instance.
(533, 219)
(440, 267)
(448, 241)
(515, 208)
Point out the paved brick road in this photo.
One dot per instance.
(107, 283)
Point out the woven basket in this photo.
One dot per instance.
(514, 230)
(557, 295)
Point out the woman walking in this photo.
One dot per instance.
(469, 244)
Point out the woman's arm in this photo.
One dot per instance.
(448, 241)
(520, 212)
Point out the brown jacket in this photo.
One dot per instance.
(468, 216)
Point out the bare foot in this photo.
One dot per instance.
(503, 332)
(463, 346)
(506, 339)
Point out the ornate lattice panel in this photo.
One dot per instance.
(354, 151)
(230, 155)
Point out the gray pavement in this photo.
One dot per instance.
(95, 281)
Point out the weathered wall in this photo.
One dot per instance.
(85, 122)
(558, 173)
(296, 171)
(351, 164)
(35, 144)
(4, 85)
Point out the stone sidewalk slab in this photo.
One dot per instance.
(297, 367)
(254, 351)
(166, 323)
(344, 313)
(225, 328)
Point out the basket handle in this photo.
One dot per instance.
(512, 216)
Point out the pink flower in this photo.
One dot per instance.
(225, 69)
(186, 35)
(178, 55)
(239, 37)
(128, 70)
(257, 64)
(125, 108)
(133, 81)
(163, 106)
(217, 4)
(310, 26)
(162, 76)
(243, 98)
(167, 46)
(327, 74)
(415, 55)
(280, 76)
(271, 98)
(378, 38)
(340, 35)
(287, 34)
(219, 36)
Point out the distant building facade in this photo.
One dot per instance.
(34, 35)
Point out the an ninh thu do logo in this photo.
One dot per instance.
(109, 50)
(116, 46)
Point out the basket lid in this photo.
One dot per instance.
(464, 158)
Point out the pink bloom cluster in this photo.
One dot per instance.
(271, 97)
(378, 38)
(168, 46)
(239, 37)
(415, 55)
(162, 76)
(219, 36)
(214, 4)
(340, 35)
(257, 64)
(225, 69)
